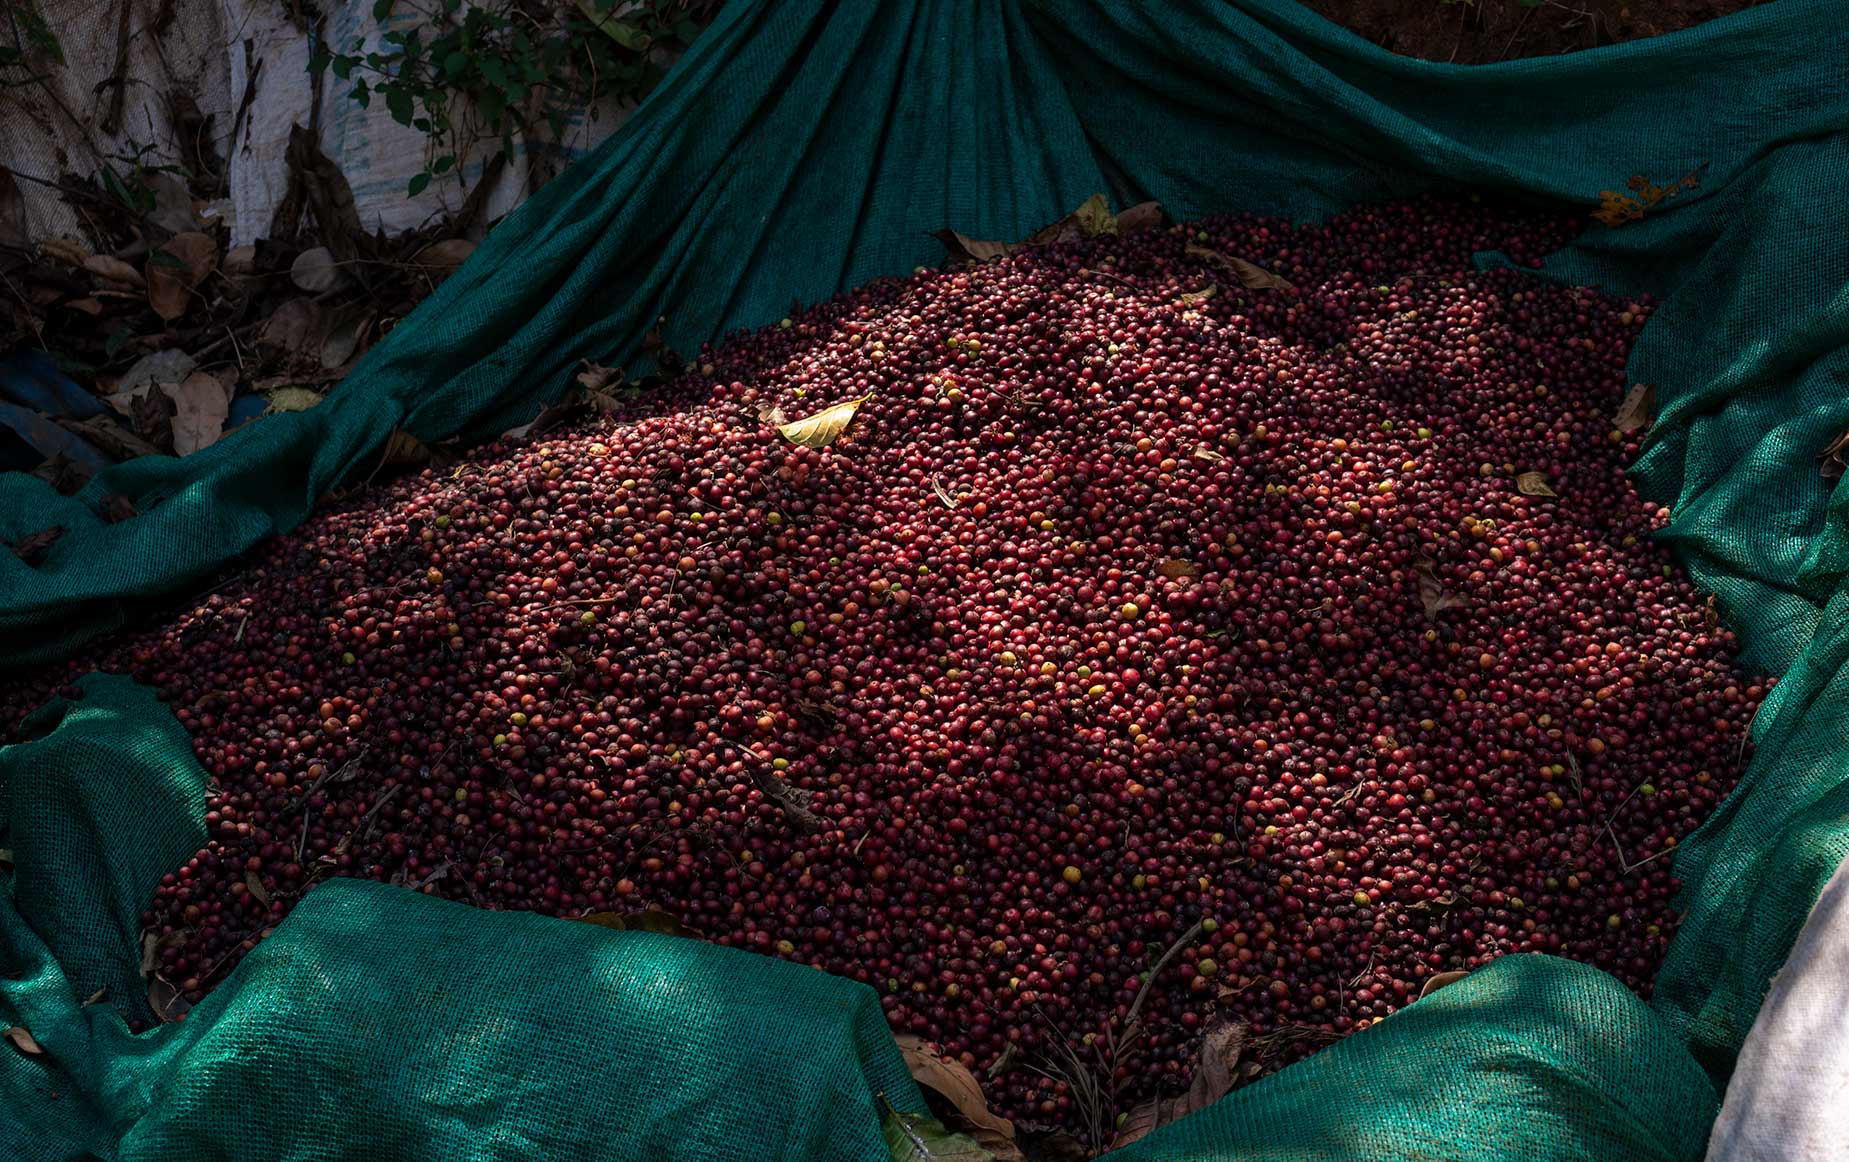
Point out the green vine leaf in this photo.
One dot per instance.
(517, 78)
(398, 103)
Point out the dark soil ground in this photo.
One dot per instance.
(1475, 32)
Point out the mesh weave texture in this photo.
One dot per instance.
(804, 147)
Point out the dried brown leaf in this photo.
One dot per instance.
(1439, 980)
(442, 258)
(1615, 208)
(1139, 1122)
(793, 801)
(1216, 1063)
(655, 920)
(773, 415)
(169, 365)
(1142, 216)
(294, 399)
(12, 211)
(175, 268)
(1200, 296)
(240, 261)
(173, 202)
(921, 1138)
(114, 269)
(1090, 220)
(200, 405)
(166, 1001)
(116, 440)
(347, 335)
(824, 427)
(1250, 275)
(316, 271)
(1534, 484)
(297, 327)
(31, 547)
(596, 377)
(254, 883)
(1255, 277)
(65, 250)
(549, 417)
(151, 416)
(957, 1086)
(1432, 595)
(1060, 1148)
(1093, 216)
(151, 945)
(24, 1042)
(1832, 459)
(402, 448)
(963, 248)
(1175, 568)
(1208, 454)
(1216, 1071)
(327, 193)
(116, 508)
(1000, 1065)
(1635, 413)
(62, 474)
(647, 920)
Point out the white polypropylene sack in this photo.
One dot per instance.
(210, 52)
(53, 126)
(1788, 1100)
(377, 156)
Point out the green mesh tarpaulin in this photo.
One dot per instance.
(378, 1022)
(803, 147)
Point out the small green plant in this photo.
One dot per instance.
(26, 38)
(127, 177)
(504, 68)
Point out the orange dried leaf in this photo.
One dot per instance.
(1216, 1071)
(23, 1041)
(957, 1086)
(1534, 484)
(1833, 458)
(1439, 980)
(1432, 595)
(1250, 275)
(824, 427)
(1636, 411)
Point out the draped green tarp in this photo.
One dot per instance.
(802, 147)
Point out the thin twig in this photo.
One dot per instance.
(71, 188)
(1626, 864)
(1527, 11)
(117, 81)
(1174, 950)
